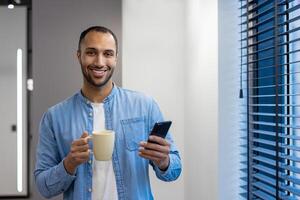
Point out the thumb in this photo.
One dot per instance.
(84, 134)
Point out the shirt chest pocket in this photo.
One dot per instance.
(134, 130)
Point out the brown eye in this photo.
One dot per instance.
(109, 54)
(90, 53)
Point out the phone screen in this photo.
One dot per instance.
(161, 128)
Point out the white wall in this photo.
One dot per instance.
(174, 51)
(154, 62)
(201, 101)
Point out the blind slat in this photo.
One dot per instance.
(267, 39)
(274, 124)
(271, 190)
(255, 25)
(263, 195)
(255, 6)
(255, 34)
(264, 169)
(253, 17)
(272, 162)
(273, 86)
(293, 137)
(292, 190)
(291, 179)
(280, 105)
(265, 179)
(272, 114)
(272, 66)
(264, 187)
(265, 160)
(272, 172)
(274, 95)
(273, 153)
(273, 143)
(274, 76)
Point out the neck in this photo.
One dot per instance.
(95, 94)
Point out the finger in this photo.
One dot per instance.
(84, 134)
(89, 138)
(149, 157)
(82, 155)
(79, 157)
(81, 148)
(154, 154)
(143, 143)
(81, 160)
(83, 139)
(79, 142)
(158, 140)
(155, 147)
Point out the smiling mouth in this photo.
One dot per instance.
(99, 72)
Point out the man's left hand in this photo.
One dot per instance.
(156, 149)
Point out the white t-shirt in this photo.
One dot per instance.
(104, 182)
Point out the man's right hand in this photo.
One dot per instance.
(78, 154)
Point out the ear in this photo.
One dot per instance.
(78, 54)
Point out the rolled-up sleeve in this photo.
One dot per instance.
(50, 174)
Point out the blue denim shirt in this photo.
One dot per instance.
(131, 115)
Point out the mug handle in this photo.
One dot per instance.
(90, 137)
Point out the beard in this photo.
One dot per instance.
(88, 77)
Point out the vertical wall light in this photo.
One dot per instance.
(19, 121)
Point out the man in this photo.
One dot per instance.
(64, 162)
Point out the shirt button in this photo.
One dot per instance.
(90, 190)
(90, 161)
(91, 114)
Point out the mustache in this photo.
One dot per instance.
(100, 68)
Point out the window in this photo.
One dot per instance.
(270, 99)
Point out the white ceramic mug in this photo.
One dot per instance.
(103, 144)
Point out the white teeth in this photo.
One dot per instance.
(100, 70)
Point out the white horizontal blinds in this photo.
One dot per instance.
(270, 73)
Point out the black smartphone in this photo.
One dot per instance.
(161, 128)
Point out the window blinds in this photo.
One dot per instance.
(270, 99)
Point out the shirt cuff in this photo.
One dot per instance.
(168, 174)
(58, 180)
(63, 174)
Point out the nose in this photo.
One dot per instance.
(100, 60)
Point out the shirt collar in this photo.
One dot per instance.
(107, 99)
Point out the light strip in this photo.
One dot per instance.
(19, 121)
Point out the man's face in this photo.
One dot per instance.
(98, 58)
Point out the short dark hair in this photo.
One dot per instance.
(101, 29)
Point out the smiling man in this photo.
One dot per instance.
(64, 162)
